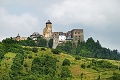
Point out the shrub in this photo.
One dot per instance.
(66, 62)
(55, 51)
(35, 50)
(88, 66)
(77, 58)
(95, 68)
(65, 72)
(83, 66)
(43, 49)
(25, 65)
(30, 57)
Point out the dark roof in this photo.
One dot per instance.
(35, 33)
(18, 35)
(48, 22)
(77, 30)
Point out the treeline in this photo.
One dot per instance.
(90, 48)
(40, 42)
(10, 45)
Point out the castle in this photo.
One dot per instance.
(58, 37)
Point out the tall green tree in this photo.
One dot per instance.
(41, 42)
(50, 43)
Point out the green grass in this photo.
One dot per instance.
(75, 68)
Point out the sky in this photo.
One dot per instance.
(100, 19)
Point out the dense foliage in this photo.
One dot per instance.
(66, 62)
(65, 72)
(16, 68)
(44, 65)
(2, 51)
(90, 48)
(56, 51)
(30, 62)
(50, 43)
(115, 76)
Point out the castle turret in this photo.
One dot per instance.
(18, 37)
(47, 32)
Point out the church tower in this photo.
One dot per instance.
(47, 32)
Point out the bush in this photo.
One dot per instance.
(95, 68)
(88, 66)
(65, 72)
(55, 51)
(66, 62)
(30, 57)
(25, 65)
(35, 50)
(43, 49)
(83, 66)
(77, 58)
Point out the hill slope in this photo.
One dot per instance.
(84, 69)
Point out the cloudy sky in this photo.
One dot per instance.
(100, 19)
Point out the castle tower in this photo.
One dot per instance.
(18, 37)
(77, 34)
(47, 32)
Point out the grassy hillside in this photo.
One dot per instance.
(88, 72)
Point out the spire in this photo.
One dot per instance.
(48, 22)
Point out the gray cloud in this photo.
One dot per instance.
(13, 24)
(100, 19)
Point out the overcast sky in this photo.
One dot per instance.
(100, 19)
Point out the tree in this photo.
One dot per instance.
(77, 58)
(83, 66)
(35, 49)
(41, 42)
(44, 65)
(81, 75)
(66, 62)
(65, 72)
(9, 41)
(55, 51)
(67, 47)
(16, 68)
(50, 43)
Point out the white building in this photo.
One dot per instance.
(62, 38)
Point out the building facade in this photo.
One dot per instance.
(77, 34)
(18, 38)
(61, 37)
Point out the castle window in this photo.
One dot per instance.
(75, 32)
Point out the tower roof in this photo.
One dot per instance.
(18, 35)
(48, 22)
